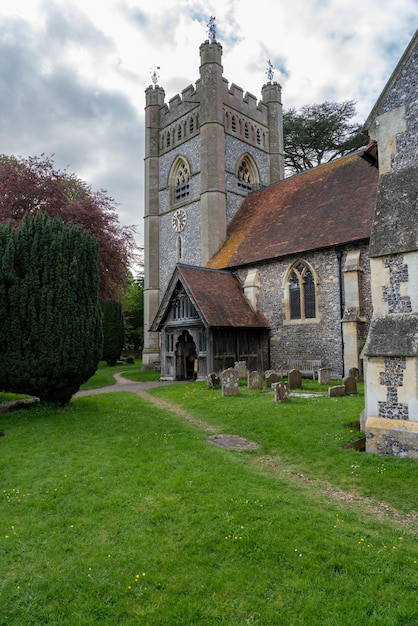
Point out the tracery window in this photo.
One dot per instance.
(302, 292)
(181, 181)
(247, 174)
(244, 176)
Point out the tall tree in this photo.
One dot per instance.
(134, 312)
(29, 186)
(50, 317)
(317, 133)
(113, 331)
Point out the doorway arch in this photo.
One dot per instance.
(185, 356)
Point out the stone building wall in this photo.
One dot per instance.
(404, 94)
(311, 339)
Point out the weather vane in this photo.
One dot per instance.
(211, 29)
(154, 74)
(270, 70)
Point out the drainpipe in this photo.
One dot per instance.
(339, 255)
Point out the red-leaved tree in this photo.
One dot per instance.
(33, 185)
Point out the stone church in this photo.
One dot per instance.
(242, 264)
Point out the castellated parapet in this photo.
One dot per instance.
(243, 115)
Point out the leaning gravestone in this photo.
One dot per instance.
(213, 381)
(255, 380)
(230, 382)
(294, 379)
(271, 377)
(241, 368)
(324, 375)
(281, 392)
(337, 391)
(350, 385)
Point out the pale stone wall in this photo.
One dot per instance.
(391, 415)
(404, 94)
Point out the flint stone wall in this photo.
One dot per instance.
(311, 339)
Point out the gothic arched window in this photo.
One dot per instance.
(247, 174)
(301, 292)
(180, 181)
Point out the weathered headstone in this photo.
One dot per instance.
(241, 368)
(337, 391)
(213, 381)
(230, 382)
(324, 375)
(255, 380)
(281, 392)
(271, 377)
(354, 372)
(294, 379)
(350, 385)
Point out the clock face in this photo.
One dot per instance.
(179, 220)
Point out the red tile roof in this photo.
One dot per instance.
(217, 295)
(326, 206)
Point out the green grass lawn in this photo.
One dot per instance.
(114, 512)
(104, 377)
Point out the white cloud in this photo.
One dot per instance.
(73, 72)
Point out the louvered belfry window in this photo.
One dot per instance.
(182, 182)
(245, 179)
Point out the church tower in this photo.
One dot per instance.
(204, 152)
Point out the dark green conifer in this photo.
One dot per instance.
(50, 317)
(113, 331)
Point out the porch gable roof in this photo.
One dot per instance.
(217, 296)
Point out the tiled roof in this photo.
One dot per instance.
(217, 295)
(326, 206)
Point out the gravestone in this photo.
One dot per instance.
(255, 380)
(271, 377)
(241, 368)
(213, 381)
(336, 392)
(294, 379)
(354, 372)
(350, 385)
(230, 382)
(324, 375)
(281, 392)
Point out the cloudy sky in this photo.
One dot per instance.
(73, 72)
